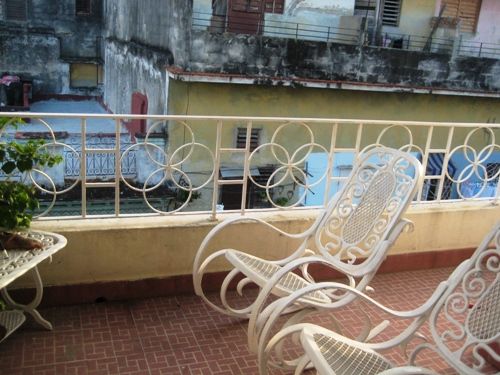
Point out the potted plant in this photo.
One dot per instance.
(18, 197)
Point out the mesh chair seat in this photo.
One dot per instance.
(340, 355)
(11, 319)
(262, 270)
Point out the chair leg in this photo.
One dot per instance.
(30, 308)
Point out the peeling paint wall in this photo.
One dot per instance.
(128, 71)
(263, 57)
(42, 47)
(140, 42)
(263, 100)
(488, 28)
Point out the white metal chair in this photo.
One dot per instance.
(352, 235)
(467, 306)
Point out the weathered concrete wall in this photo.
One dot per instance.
(160, 25)
(140, 42)
(287, 58)
(488, 29)
(132, 68)
(197, 98)
(41, 47)
(37, 58)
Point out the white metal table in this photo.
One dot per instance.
(17, 264)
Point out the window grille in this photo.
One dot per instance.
(467, 11)
(274, 6)
(492, 169)
(83, 7)
(241, 138)
(16, 10)
(390, 12)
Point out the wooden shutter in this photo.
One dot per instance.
(467, 11)
(16, 10)
(390, 12)
(274, 6)
(247, 6)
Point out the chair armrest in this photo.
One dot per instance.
(263, 325)
(200, 254)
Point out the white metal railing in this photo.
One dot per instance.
(192, 163)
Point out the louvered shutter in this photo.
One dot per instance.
(241, 138)
(465, 10)
(390, 12)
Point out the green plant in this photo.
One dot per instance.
(282, 201)
(17, 198)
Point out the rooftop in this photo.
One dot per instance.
(177, 335)
(71, 125)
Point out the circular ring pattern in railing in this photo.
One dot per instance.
(169, 166)
(288, 165)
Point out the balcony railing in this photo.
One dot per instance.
(187, 164)
(277, 29)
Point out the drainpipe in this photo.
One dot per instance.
(377, 36)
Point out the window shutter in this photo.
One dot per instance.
(274, 6)
(467, 11)
(390, 12)
(16, 10)
(241, 138)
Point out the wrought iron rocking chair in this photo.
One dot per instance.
(352, 236)
(467, 337)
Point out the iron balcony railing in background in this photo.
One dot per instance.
(355, 35)
(188, 164)
(277, 29)
(459, 46)
(478, 49)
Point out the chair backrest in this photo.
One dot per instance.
(372, 201)
(465, 323)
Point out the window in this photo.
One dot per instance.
(82, 7)
(390, 12)
(241, 137)
(274, 6)
(85, 75)
(467, 11)
(16, 10)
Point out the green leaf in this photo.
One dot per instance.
(9, 167)
(25, 165)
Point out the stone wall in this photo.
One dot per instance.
(263, 57)
(141, 41)
(133, 68)
(42, 47)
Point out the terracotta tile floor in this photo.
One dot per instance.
(176, 335)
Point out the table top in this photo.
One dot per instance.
(21, 261)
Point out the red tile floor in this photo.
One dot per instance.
(173, 335)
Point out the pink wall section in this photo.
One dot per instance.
(488, 29)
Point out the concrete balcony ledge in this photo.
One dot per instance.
(123, 258)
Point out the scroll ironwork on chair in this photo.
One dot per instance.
(351, 235)
(463, 314)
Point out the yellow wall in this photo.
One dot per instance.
(139, 248)
(416, 16)
(252, 100)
